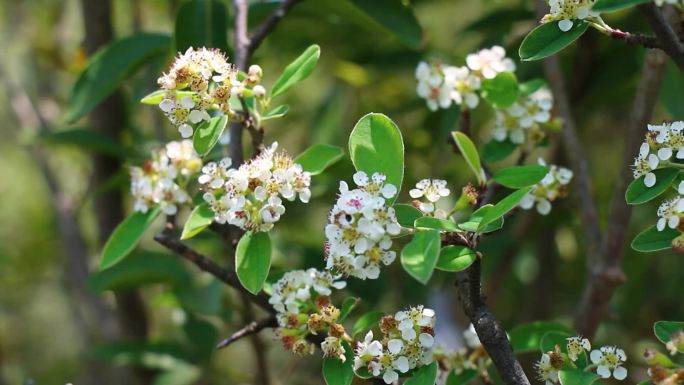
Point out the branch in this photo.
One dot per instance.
(269, 25)
(668, 38)
(636, 39)
(489, 330)
(606, 275)
(209, 266)
(250, 329)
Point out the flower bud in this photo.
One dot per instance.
(255, 70)
(259, 91)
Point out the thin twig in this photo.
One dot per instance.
(669, 40)
(269, 25)
(636, 39)
(252, 328)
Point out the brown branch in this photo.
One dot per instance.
(252, 328)
(669, 40)
(269, 24)
(605, 275)
(205, 264)
(636, 39)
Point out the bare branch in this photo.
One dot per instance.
(252, 328)
(269, 25)
(636, 39)
(669, 40)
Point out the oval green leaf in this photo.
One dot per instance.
(208, 133)
(527, 337)
(406, 214)
(154, 98)
(347, 306)
(109, 67)
(419, 257)
(521, 176)
(436, 224)
(577, 377)
(501, 91)
(455, 258)
(472, 224)
(547, 39)
(425, 375)
(637, 192)
(664, 330)
(139, 269)
(494, 151)
(651, 239)
(200, 218)
(550, 339)
(376, 145)
(366, 322)
(531, 86)
(503, 207)
(297, 71)
(253, 260)
(318, 157)
(126, 236)
(469, 152)
(336, 372)
(604, 6)
(202, 23)
(277, 112)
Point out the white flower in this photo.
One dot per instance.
(471, 338)
(565, 11)
(669, 213)
(463, 86)
(577, 346)
(431, 86)
(546, 371)
(520, 123)
(609, 360)
(490, 62)
(550, 188)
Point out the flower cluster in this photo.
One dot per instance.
(161, 181)
(201, 80)
(432, 190)
(553, 186)
(663, 144)
(406, 343)
(662, 370)
(301, 299)
(522, 122)
(250, 196)
(566, 11)
(360, 226)
(441, 85)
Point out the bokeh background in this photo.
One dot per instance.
(58, 325)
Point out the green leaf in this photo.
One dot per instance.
(521, 176)
(637, 192)
(318, 157)
(200, 218)
(347, 306)
(549, 340)
(671, 91)
(664, 330)
(396, 17)
(495, 151)
(366, 322)
(208, 133)
(455, 258)
(604, 6)
(376, 145)
(547, 39)
(156, 97)
(126, 236)
(472, 224)
(297, 71)
(425, 375)
(463, 378)
(651, 239)
(531, 86)
(576, 377)
(436, 223)
(140, 268)
(467, 148)
(109, 67)
(87, 140)
(503, 207)
(202, 23)
(277, 112)
(527, 337)
(501, 91)
(336, 372)
(406, 214)
(419, 256)
(253, 260)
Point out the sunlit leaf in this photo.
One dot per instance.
(547, 39)
(318, 157)
(297, 71)
(419, 257)
(253, 260)
(126, 236)
(637, 192)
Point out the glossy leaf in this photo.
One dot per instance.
(202, 23)
(527, 337)
(376, 145)
(576, 377)
(406, 214)
(462, 378)
(436, 224)
(347, 306)
(396, 17)
(472, 224)
(253, 260)
(318, 157)
(664, 330)
(521, 176)
(366, 322)
(469, 152)
(200, 218)
(637, 192)
(494, 151)
(277, 112)
(651, 239)
(531, 86)
(208, 133)
(455, 258)
(547, 39)
(111, 66)
(154, 98)
(336, 372)
(501, 91)
(425, 375)
(419, 257)
(604, 6)
(126, 236)
(297, 71)
(502, 207)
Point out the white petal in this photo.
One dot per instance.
(402, 364)
(544, 207)
(596, 356)
(565, 25)
(661, 224)
(603, 371)
(394, 346)
(185, 130)
(426, 340)
(665, 153)
(620, 373)
(390, 376)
